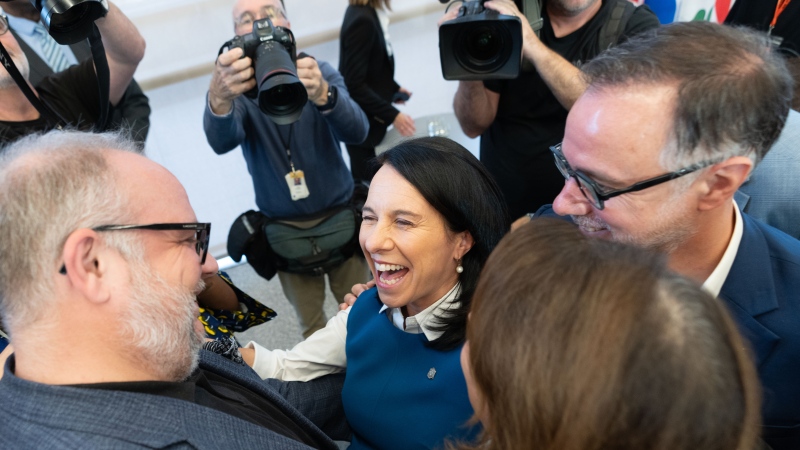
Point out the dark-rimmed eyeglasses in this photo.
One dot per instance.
(3, 23)
(202, 233)
(598, 196)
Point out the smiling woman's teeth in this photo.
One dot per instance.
(390, 270)
(388, 267)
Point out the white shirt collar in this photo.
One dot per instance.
(714, 282)
(423, 321)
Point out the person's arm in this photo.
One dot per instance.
(475, 107)
(346, 118)
(321, 354)
(564, 79)
(225, 110)
(124, 50)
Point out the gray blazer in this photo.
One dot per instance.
(40, 416)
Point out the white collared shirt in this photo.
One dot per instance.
(323, 352)
(714, 282)
(383, 18)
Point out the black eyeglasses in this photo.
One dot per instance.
(202, 230)
(202, 235)
(597, 196)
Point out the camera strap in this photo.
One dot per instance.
(44, 111)
(103, 76)
(47, 113)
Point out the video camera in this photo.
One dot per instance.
(481, 44)
(281, 95)
(69, 21)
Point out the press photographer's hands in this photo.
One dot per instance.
(232, 77)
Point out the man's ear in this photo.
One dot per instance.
(723, 180)
(463, 244)
(83, 252)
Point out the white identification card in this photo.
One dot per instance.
(297, 185)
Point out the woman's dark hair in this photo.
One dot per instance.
(457, 185)
(582, 343)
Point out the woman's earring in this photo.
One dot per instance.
(459, 267)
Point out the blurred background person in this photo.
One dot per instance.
(400, 342)
(46, 56)
(297, 169)
(366, 61)
(583, 344)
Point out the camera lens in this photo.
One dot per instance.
(482, 45)
(485, 48)
(69, 22)
(281, 95)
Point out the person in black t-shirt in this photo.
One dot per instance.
(71, 94)
(518, 120)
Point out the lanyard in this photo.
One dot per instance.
(286, 145)
(782, 4)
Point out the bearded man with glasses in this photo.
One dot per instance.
(101, 259)
(671, 125)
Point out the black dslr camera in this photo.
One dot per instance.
(69, 21)
(481, 44)
(281, 95)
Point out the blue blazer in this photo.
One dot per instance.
(40, 416)
(762, 292)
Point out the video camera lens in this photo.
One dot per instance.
(486, 48)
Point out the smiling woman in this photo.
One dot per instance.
(431, 219)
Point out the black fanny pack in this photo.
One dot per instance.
(309, 245)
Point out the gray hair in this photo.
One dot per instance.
(50, 185)
(733, 90)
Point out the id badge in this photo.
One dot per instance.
(297, 185)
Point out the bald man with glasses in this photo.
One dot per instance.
(101, 259)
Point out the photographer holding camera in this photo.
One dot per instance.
(291, 144)
(72, 96)
(519, 119)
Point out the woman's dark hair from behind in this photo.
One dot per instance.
(457, 185)
(582, 344)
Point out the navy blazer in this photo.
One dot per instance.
(762, 292)
(40, 416)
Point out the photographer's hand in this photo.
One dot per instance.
(232, 77)
(561, 76)
(311, 77)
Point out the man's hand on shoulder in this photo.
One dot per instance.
(232, 77)
(350, 299)
(311, 77)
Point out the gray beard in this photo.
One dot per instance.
(159, 328)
